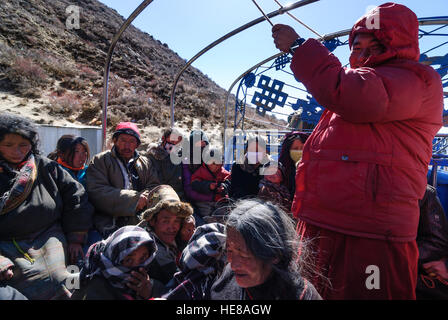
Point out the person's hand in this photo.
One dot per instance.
(220, 189)
(436, 268)
(142, 201)
(213, 186)
(140, 283)
(283, 36)
(74, 251)
(7, 274)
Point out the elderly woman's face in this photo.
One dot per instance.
(14, 148)
(249, 270)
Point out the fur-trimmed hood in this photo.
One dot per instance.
(164, 197)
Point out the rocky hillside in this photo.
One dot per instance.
(54, 75)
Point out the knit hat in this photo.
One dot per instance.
(164, 197)
(127, 128)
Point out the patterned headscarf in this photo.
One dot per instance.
(21, 185)
(105, 257)
(201, 261)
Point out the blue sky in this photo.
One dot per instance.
(187, 26)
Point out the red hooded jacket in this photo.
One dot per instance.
(364, 167)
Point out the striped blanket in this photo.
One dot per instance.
(44, 276)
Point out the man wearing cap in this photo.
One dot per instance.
(163, 219)
(119, 180)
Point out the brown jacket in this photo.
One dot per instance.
(106, 187)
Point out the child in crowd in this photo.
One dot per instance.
(186, 232)
(211, 178)
(116, 268)
(272, 186)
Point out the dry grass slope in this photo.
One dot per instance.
(41, 59)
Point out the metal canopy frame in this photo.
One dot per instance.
(145, 3)
(131, 18)
(110, 52)
(422, 22)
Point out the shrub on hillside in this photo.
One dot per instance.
(7, 56)
(89, 111)
(76, 84)
(58, 67)
(27, 77)
(88, 73)
(66, 105)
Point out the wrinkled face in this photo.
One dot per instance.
(365, 45)
(14, 148)
(136, 257)
(249, 271)
(125, 145)
(166, 226)
(79, 156)
(187, 230)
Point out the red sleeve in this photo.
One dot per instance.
(195, 176)
(381, 94)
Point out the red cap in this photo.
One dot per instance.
(127, 128)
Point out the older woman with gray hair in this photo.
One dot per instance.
(261, 248)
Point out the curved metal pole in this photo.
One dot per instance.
(235, 82)
(110, 52)
(432, 21)
(422, 21)
(225, 37)
(267, 122)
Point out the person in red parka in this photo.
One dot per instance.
(364, 166)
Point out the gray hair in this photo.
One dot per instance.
(269, 234)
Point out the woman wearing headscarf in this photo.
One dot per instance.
(115, 268)
(43, 212)
(201, 262)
